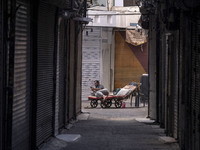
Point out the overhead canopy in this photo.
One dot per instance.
(84, 20)
(135, 37)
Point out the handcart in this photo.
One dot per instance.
(117, 100)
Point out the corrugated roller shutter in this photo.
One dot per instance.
(21, 108)
(193, 89)
(172, 92)
(1, 76)
(45, 71)
(174, 88)
(198, 84)
(90, 59)
(163, 78)
(1, 48)
(170, 87)
(195, 83)
(62, 70)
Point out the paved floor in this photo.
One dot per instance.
(118, 129)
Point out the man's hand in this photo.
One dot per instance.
(95, 89)
(92, 88)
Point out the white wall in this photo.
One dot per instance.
(98, 58)
(113, 19)
(123, 21)
(91, 54)
(118, 2)
(119, 17)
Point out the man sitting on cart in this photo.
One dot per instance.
(98, 90)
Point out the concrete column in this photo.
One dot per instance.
(152, 68)
(106, 57)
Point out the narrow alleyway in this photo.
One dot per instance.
(118, 129)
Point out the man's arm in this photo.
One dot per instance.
(95, 89)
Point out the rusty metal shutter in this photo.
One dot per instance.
(21, 98)
(45, 73)
(195, 83)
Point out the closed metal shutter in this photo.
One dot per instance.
(67, 67)
(45, 73)
(90, 59)
(174, 86)
(169, 88)
(197, 89)
(1, 47)
(195, 83)
(163, 61)
(21, 99)
(1, 76)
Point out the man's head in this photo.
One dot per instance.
(96, 82)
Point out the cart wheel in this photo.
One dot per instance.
(103, 104)
(118, 103)
(94, 103)
(108, 103)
